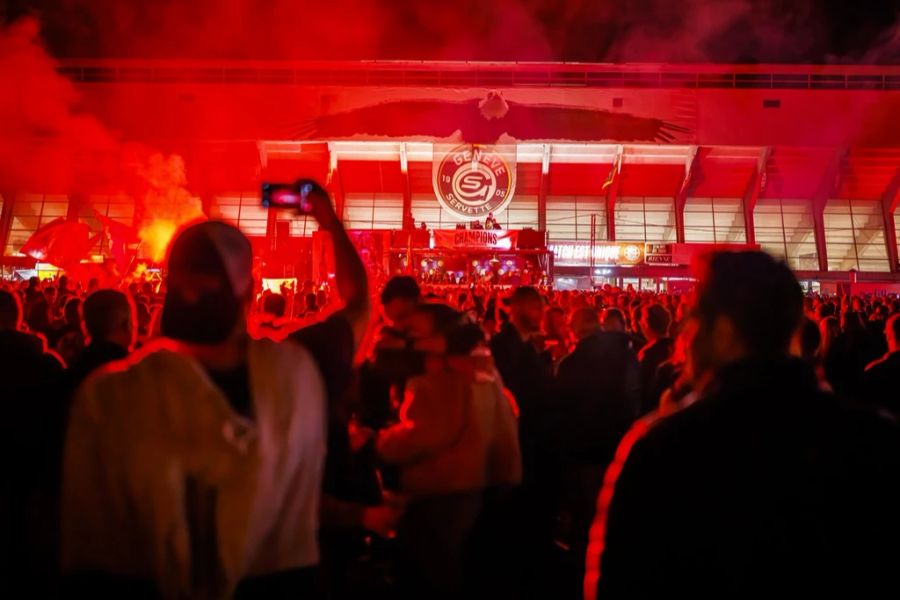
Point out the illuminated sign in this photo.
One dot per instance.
(658, 254)
(472, 181)
(605, 253)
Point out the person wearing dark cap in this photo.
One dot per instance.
(764, 482)
(193, 469)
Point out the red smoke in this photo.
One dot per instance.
(725, 31)
(48, 145)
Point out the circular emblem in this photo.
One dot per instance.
(472, 181)
(632, 253)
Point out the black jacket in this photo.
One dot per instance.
(94, 356)
(881, 383)
(651, 357)
(597, 397)
(765, 484)
(525, 372)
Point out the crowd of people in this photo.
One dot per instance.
(194, 437)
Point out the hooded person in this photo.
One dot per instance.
(193, 469)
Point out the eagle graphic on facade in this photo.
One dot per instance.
(486, 120)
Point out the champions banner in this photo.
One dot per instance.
(472, 181)
(476, 239)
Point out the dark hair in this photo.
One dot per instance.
(525, 293)
(275, 304)
(72, 311)
(442, 316)
(826, 309)
(614, 313)
(852, 323)
(760, 295)
(104, 311)
(658, 319)
(311, 300)
(401, 287)
(463, 338)
(810, 340)
(10, 310)
(38, 318)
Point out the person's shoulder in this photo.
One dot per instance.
(888, 363)
(505, 337)
(157, 357)
(686, 426)
(332, 330)
(21, 341)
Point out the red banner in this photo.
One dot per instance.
(476, 239)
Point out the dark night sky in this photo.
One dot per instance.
(779, 31)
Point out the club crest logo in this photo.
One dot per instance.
(472, 181)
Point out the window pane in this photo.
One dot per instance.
(854, 235)
(784, 228)
(242, 209)
(29, 212)
(569, 218)
(425, 208)
(522, 212)
(699, 223)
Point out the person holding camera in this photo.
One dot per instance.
(194, 468)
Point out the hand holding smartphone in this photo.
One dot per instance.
(292, 195)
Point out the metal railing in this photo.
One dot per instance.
(487, 75)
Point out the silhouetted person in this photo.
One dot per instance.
(597, 398)
(655, 323)
(272, 322)
(881, 380)
(68, 340)
(29, 390)
(613, 320)
(847, 357)
(764, 482)
(109, 324)
(528, 376)
(312, 306)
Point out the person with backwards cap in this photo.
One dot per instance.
(194, 468)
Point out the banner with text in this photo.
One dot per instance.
(476, 239)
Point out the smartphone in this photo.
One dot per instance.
(288, 195)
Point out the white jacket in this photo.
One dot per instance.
(152, 443)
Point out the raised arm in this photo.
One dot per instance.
(350, 273)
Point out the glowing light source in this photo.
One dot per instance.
(156, 236)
